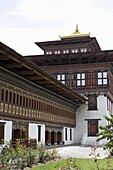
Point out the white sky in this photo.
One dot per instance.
(23, 22)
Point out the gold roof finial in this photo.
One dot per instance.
(77, 30)
(75, 34)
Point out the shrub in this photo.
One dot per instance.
(20, 156)
(70, 164)
(107, 133)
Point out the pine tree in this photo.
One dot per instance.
(107, 133)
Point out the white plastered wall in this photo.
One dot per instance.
(68, 141)
(81, 129)
(33, 132)
(7, 130)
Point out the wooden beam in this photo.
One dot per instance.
(49, 60)
(35, 78)
(4, 58)
(42, 82)
(69, 59)
(59, 59)
(16, 65)
(3, 52)
(27, 72)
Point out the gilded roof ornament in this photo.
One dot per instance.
(75, 34)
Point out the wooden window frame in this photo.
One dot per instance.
(93, 127)
(102, 78)
(91, 79)
(70, 134)
(92, 102)
(80, 78)
(2, 94)
(61, 78)
(66, 134)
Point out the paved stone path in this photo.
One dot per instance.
(79, 152)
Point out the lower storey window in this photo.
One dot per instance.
(1, 132)
(39, 133)
(65, 133)
(70, 134)
(92, 127)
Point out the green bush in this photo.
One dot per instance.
(69, 164)
(20, 156)
(107, 133)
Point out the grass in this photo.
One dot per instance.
(84, 164)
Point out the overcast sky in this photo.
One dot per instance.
(23, 22)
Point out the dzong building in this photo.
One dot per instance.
(59, 97)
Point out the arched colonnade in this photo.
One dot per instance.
(53, 137)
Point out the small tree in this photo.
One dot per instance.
(107, 133)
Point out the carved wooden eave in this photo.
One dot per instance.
(64, 42)
(79, 67)
(16, 63)
(66, 59)
(76, 38)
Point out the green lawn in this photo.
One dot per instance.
(84, 164)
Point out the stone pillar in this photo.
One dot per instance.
(55, 138)
(60, 138)
(49, 138)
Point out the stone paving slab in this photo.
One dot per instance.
(79, 152)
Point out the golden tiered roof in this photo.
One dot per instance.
(75, 34)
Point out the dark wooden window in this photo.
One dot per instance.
(34, 104)
(10, 97)
(29, 102)
(6, 96)
(2, 95)
(20, 100)
(37, 104)
(1, 132)
(17, 99)
(70, 134)
(65, 133)
(71, 79)
(91, 79)
(14, 95)
(92, 127)
(92, 102)
(39, 133)
(26, 101)
(24, 104)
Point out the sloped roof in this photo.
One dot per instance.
(13, 61)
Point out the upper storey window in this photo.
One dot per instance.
(61, 78)
(57, 52)
(74, 50)
(83, 50)
(65, 51)
(48, 52)
(102, 78)
(80, 79)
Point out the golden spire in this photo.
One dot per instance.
(75, 34)
(77, 30)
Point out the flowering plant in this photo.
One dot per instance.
(0, 166)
